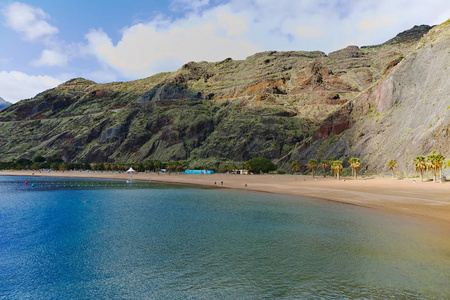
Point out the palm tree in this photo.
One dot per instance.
(420, 165)
(440, 162)
(312, 165)
(148, 165)
(62, 167)
(355, 164)
(337, 167)
(391, 165)
(433, 164)
(330, 162)
(173, 166)
(230, 167)
(324, 166)
(295, 166)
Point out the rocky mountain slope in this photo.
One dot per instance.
(280, 105)
(4, 103)
(403, 115)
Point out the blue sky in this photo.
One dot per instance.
(46, 42)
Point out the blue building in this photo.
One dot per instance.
(199, 172)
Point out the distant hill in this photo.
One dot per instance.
(377, 103)
(4, 103)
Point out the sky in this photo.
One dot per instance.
(46, 42)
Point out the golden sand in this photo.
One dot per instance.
(410, 197)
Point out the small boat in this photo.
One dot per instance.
(129, 181)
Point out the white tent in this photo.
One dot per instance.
(131, 170)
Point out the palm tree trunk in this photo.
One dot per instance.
(421, 176)
(337, 175)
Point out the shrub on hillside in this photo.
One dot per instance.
(261, 165)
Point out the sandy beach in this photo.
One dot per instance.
(429, 201)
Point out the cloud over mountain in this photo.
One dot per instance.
(16, 85)
(239, 28)
(28, 20)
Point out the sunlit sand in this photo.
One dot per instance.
(410, 197)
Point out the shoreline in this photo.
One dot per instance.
(428, 201)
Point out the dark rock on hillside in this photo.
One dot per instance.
(346, 53)
(169, 93)
(411, 35)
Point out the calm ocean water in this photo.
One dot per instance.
(86, 239)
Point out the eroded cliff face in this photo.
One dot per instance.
(280, 105)
(405, 114)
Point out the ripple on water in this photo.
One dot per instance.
(164, 242)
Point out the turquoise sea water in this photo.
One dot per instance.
(85, 239)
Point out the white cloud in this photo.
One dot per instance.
(146, 48)
(28, 20)
(234, 25)
(331, 24)
(235, 28)
(51, 58)
(307, 31)
(377, 22)
(239, 28)
(15, 86)
(31, 23)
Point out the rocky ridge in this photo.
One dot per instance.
(403, 115)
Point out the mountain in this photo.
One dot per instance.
(4, 103)
(281, 105)
(401, 116)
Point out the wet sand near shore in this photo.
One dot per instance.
(429, 201)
